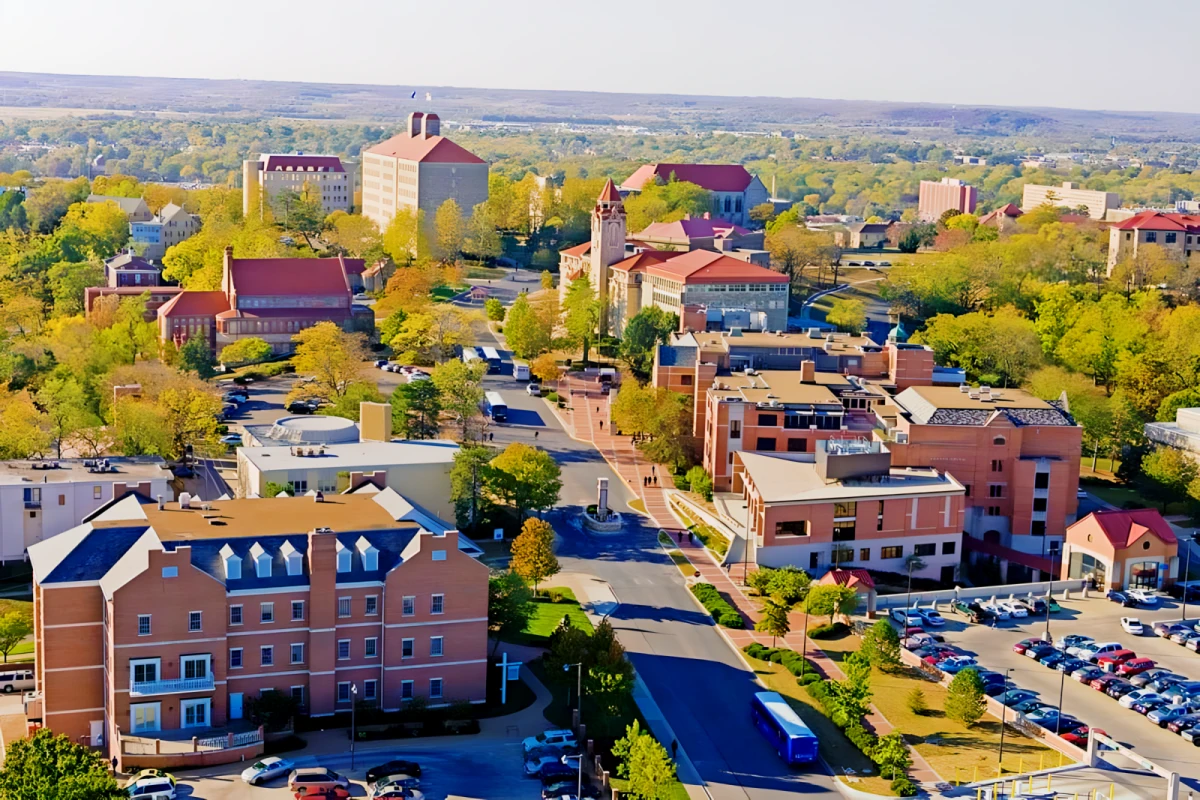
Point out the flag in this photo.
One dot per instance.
(414, 95)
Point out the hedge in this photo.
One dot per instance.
(792, 661)
(904, 786)
(714, 604)
(827, 631)
(859, 736)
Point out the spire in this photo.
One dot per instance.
(610, 193)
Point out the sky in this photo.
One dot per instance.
(1060, 53)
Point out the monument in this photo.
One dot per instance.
(599, 517)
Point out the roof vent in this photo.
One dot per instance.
(319, 497)
(206, 506)
(322, 530)
(962, 387)
(185, 500)
(161, 504)
(216, 522)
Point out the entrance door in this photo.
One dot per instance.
(97, 732)
(948, 575)
(235, 705)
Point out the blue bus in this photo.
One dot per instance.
(777, 721)
(492, 356)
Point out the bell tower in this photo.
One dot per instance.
(608, 244)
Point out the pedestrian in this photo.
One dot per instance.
(674, 749)
(597, 409)
(535, 433)
(491, 437)
(656, 480)
(601, 424)
(114, 765)
(681, 537)
(689, 537)
(652, 470)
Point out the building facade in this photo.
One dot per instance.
(935, 198)
(151, 620)
(317, 176)
(1183, 434)
(135, 208)
(1178, 235)
(419, 170)
(129, 270)
(706, 233)
(1120, 549)
(1070, 196)
(733, 189)
(164, 230)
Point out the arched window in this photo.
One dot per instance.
(998, 440)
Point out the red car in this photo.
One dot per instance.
(336, 793)
(1079, 737)
(941, 654)
(1134, 666)
(1028, 644)
(1103, 682)
(1110, 661)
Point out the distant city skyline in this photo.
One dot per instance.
(1065, 54)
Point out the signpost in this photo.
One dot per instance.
(509, 671)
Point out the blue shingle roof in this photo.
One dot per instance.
(676, 356)
(206, 556)
(389, 543)
(93, 557)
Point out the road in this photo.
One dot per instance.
(701, 685)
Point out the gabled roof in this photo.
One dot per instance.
(195, 304)
(578, 250)
(713, 177)
(1008, 210)
(1124, 527)
(706, 266)
(289, 276)
(644, 259)
(129, 205)
(130, 262)
(299, 162)
(848, 577)
(169, 212)
(1158, 221)
(869, 227)
(431, 150)
(691, 228)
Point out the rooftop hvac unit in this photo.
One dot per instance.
(901, 437)
(964, 388)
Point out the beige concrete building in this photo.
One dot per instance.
(420, 169)
(1177, 234)
(1069, 195)
(937, 197)
(323, 176)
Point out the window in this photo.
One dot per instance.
(948, 548)
(343, 558)
(170, 572)
(993, 511)
(235, 658)
(796, 527)
(369, 690)
(997, 465)
(195, 713)
(266, 612)
(967, 493)
(371, 647)
(144, 671)
(298, 653)
(768, 420)
(343, 692)
(765, 443)
(812, 560)
(343, 651)
(143, 624)
(735, 429)
(97, 493)
(194, 667)
(297, 610)
(437, 604)
(343, 606)
(864, 554)
(143, 717)
(372, 606)
(926, 549)
(1151, 236)
(685, 380)
(435, 646)
(843, 532)
(1041, 480)
(194, 622)
(406, 648)
(1170, 237)
(435, 688)
(797, 445)
(995, 490)
(848, 510)
(1037, 528)
(891, 552)
(266, 655)
(406, 690)
(879, 517)
(1039, 504)
(298, 695)
(437, 555)
(998, 440)
(409, 606)
(235, 615)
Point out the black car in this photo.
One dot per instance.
(1122, 598)
(568, 788)
(1070, 664)
(556, 772)
(996, 689)
(1068, 725)
(399, 767)
(301, 407)
(1119, 688)
(1040, 652)
(1053, 659)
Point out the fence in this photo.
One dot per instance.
(230, 740)
(1004, 591)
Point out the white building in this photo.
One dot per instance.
(40, 499)
(1182, 434)
(318, 175)
(1071, 196)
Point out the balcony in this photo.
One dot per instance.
(171, 686)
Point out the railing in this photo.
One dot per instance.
(171, 686)
(230, 740)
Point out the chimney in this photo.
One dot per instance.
(431, 125)
(375, 422)
(416, 121)
(808, 372)
(161, 504)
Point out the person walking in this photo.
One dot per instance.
(674, 749)
(535, 434)
(652, 469)
(601, 424)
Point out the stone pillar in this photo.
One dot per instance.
(602, 498)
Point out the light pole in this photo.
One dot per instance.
(1187, 563)
(912, 562)
(353, 731)
(1003, 708)
(1062, 681)
(578, 713)
(804, 643)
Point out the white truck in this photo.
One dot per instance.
(520, 371)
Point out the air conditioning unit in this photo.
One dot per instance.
(901, 437)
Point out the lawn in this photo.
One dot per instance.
(1106, 468)
(713, 539)
(548, 615)
(638, 505)
(481, 273)
(441, 294)
(677, 556)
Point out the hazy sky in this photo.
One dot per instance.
(1066, 53)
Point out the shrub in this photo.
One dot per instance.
(682, 483)
(552, 397)
(861, 738)
(916, 702)
(809, 677)
(715, 605)
(904, 787)
(754, 650)
(827, 631)
(700, 482)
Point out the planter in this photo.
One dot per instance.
(595, 525)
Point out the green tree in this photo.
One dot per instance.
(700, 482)
(14, 627)
(461, 387)
(826, 600)
(1184, 398)
(852, 695)
(392, 325)
(404, 239)
(917, 703)
(46, 766)
(416, 407)
(787, 584)
(964, 698)
(482, 234)
(196, 356)
(881, 645)
(763, 213)
(774, 620)
(188, 414)
(494, 309)
(647, 329)
(547, 279)
(62, 400)
(449, 229)
(468, 477)
(358, 392)
(533, 552)
(892, 755)
(335, 358)
(1168, 474)
(251, 350)
(525, 478)
(645, 764)
(526, 331)
(510, 605)
(848, 314)
(581, 313)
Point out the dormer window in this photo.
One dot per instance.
(343, 558)
(370, 555)
(262, 561)
(292, 558)
(232, 563)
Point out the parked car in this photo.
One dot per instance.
(1186, 639)
(1014, 696)
(1119, 688)
(1135, 666)
(997, 689)
(1169, 712)
(266, 769)
(235, 397)
(145, 774)
(1087, 674)
(1097, 649)
(1070, 664)
(539, 757)
(1149, 675)
(1030, 706)
(558, 771)
(931, 617)
(1182, 692)
(1103, 682)
(398, 781)
(1182, 723)
(533, 390)
(1071, 643)
(567, 789)
(1193, 645)
(396, 793)
(996, 610)
(556, 738)
(1137, 696)
(939, 653)
(1111, 660)
(1015, 609)
(301, 407)
(1040, 651)
(1164, 682)
(1132, 625)
(1143, 597)
(1023, 645)
(972, 611)
(231, 439)
(956, 664)
(1122, 598)
(313, 779)
(1079, 736)
(1168, 629)
(907, 616)
(334, 793)
(1068, 725)
(397, 767)
(1053, 659)
(381, 363)
(1144, 707)
(1191, 734)
(989, 676)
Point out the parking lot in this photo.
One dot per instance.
(1100, 619)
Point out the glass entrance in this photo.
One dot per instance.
(1144, 575)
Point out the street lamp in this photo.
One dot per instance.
(1187, 563)
(353, 731)
(1004, 708)
(912, 562)
(578, 713)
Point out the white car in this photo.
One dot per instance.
(533, 390)
(153, 789)
(417, 375)
(537, 759)
(1143, 597)
(907, 616)
(932, 617)
(1133, 625)
(267, 768)
(1139, 696)
(561, 737)
(997, 609)
(1015, 609)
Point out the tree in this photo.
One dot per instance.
(196, 356)
(1169, 472)
(433, 335)
(526, 478)
(700, 482)
(47, 766)
(645, 764)
(533, 552)
(468, 477)
(647, 329)
(349, 404)
(62, 400)
(826, 600)
(250, 350)
(335, 359)
(14, 626)
(882, 646)
(188, 413)
(892, 754)
(547, 280)
(416, 407)
(482, 236)
(774, 620)
(1184, 398)
(354, 233)
(763, 213)
(545, 368)
(793, 248)
(494, 309)
(449, 230)
(461, 387)
(510, 605)
(526, 331)
(392, 325)
(404, 239)
(852, 695)
(787, 584)
(581, 313)
(964, 698)
(848, 314)
(916, 702)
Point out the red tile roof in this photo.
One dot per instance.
(1008, 210)
(609, 194)
(706, 266)
(692, 228)
(299, 162)
(577, 250)
(289, 276)
(1157, 221)
(431, 150)
(1123, 528)
(195, 304)
(639, 262)
(713, 177)
(848, 577)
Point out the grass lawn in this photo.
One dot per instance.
(444, 293)
(638, 505)
(487, 273)
(1106, 468)
(548, 615)
(677, 556)
(944, 743)
(22, 648)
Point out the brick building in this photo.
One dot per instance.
(1177, 234)
(935, 198)
(733, 189)
(127, 269)
(1121, 549)
(157, 619)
